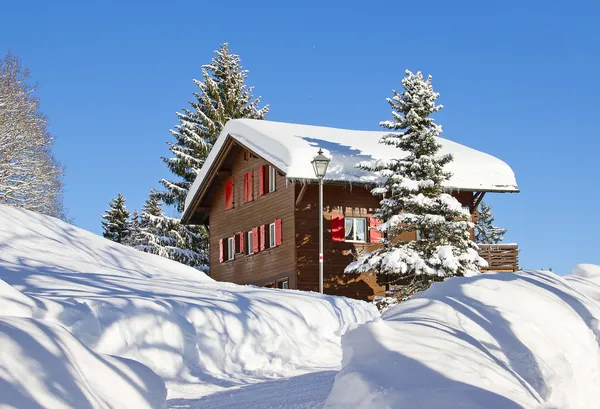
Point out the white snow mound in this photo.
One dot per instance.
(188, 328)
(43, 366)
(523, 340)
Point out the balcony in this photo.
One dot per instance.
(500, 257)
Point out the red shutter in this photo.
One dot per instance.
(250, 186)
(242, 238)
(221, 251)
(375, 235)
(277, 232)
(337, 228)
(255, 239)
(229, 194)
(262, 237)
(261, 180)
(245, 187)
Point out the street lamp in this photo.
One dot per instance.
(320, 163)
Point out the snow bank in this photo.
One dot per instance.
(524, 340)
(43, 366)
(186, 327)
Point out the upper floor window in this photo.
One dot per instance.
(355, 229)
(248, 187)
(271, 179)
(266, 179)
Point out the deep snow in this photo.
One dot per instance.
(524, 340)
(199, 335)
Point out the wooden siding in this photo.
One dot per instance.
(265, 266)
(338, 200)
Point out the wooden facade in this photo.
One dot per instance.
(265, 267)
(236, 203)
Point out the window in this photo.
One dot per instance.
(248, 187)
(284, 284)
(418, 234)
(249, 243)
(271, 179)
(355, 229)
(230, 248)
(271, 235)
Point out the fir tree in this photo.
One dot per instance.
(221, 96)
(166, 236)
(116, 222)
(414, 197)
(485, 230)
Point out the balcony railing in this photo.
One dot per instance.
(500, 257)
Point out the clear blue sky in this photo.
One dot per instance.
(519, 80)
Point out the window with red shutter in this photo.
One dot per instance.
(375, 235)
(255, 239)
(242, 248)
(221, 251)
(337, 228)
(278, 238)
(250, 186)
(229, 195)
(262, 237)
(261, 180)
(245, 187)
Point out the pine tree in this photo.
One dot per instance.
(414, 197)
(166, 236)
(485, 230)
(116, 222)
(221, 96)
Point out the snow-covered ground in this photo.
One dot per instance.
(91, 298)
(500, 341)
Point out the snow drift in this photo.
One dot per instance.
(43, 366)
(183, 325)
(524, 340)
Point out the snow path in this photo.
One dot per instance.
(307, 391)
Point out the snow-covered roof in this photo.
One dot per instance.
(291, 147)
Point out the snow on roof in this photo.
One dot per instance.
(291, 147)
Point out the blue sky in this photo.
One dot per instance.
(518, 82)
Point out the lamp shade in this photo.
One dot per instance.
(320, 163)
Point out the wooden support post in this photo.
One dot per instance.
(301, 194)
(477, 200)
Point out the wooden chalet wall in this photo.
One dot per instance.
(346, 201)
(267, 266)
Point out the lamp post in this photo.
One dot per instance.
(320, 163)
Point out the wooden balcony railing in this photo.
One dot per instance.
(500, 257)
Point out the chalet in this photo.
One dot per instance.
(258, 195)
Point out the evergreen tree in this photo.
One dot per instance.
(116, 222)
(485, 230)
(414, 197)
(221, 96)
(166, 236)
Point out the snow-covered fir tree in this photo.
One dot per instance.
(165, 236)
(485, 230)
(414, 197)
(222, 95)
(115, 221)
